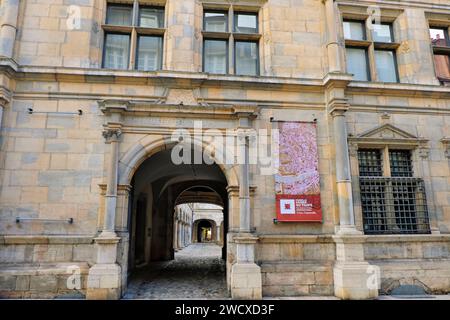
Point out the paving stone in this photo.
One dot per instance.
(198, 272)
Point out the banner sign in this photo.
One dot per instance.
(297, 183)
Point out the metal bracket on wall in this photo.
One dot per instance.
(69, 220)
(79, 112)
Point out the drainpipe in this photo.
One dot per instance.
(8, 27)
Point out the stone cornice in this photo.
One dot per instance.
(46, 239)
(280, 238)
(9, 66)
(396, 5)
(398, 89)
(169, 78)
(118, 109)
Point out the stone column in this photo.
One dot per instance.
(246, 282)
(354, 278)
(343, 174)
(175, 234)
(8, 27)
(431, 199)
(190, 233)
(244, 189)
(112, 138)
(333, 47)
(218, 234)
(2, 105)
(104, 279)
(179, 235)
(183, 234)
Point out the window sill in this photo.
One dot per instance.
(150, 31)
(247, 36)
(407, 238)
(215, 35)
(357, 43)
(117, 28)
(441, 50)
(387, 45)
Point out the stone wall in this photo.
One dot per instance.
(296, 265)
(53, 166)
(44, 266)
(420, 260)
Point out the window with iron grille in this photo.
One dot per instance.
(392, 200)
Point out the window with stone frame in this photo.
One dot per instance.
(371, 52)
(393, 201)
(230, 41)
(440, 43)
(134, 34)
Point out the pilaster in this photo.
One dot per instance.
(246, 280)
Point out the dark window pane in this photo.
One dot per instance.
(354, 30)
(370, 163)
(246, 23)
(151, 17)
(215, 58)
(215, 21)
(442, 63)
(386, 67)
(401, 164)
(149, 53)
(119, 15)
(117, 49)
(246, 58)
(357, 64)
(382, 33)
(438, 37)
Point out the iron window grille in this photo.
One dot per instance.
(391, 205)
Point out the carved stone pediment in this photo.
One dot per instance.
(387, 131)
(387, 134)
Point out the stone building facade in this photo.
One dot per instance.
(213, 215)
(86, 142)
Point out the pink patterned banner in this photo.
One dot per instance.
(297, 185)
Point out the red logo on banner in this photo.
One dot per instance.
(299, 208)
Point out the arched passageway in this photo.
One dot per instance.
(162, 254)
(204, 231)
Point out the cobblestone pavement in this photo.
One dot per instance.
(198, 272)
